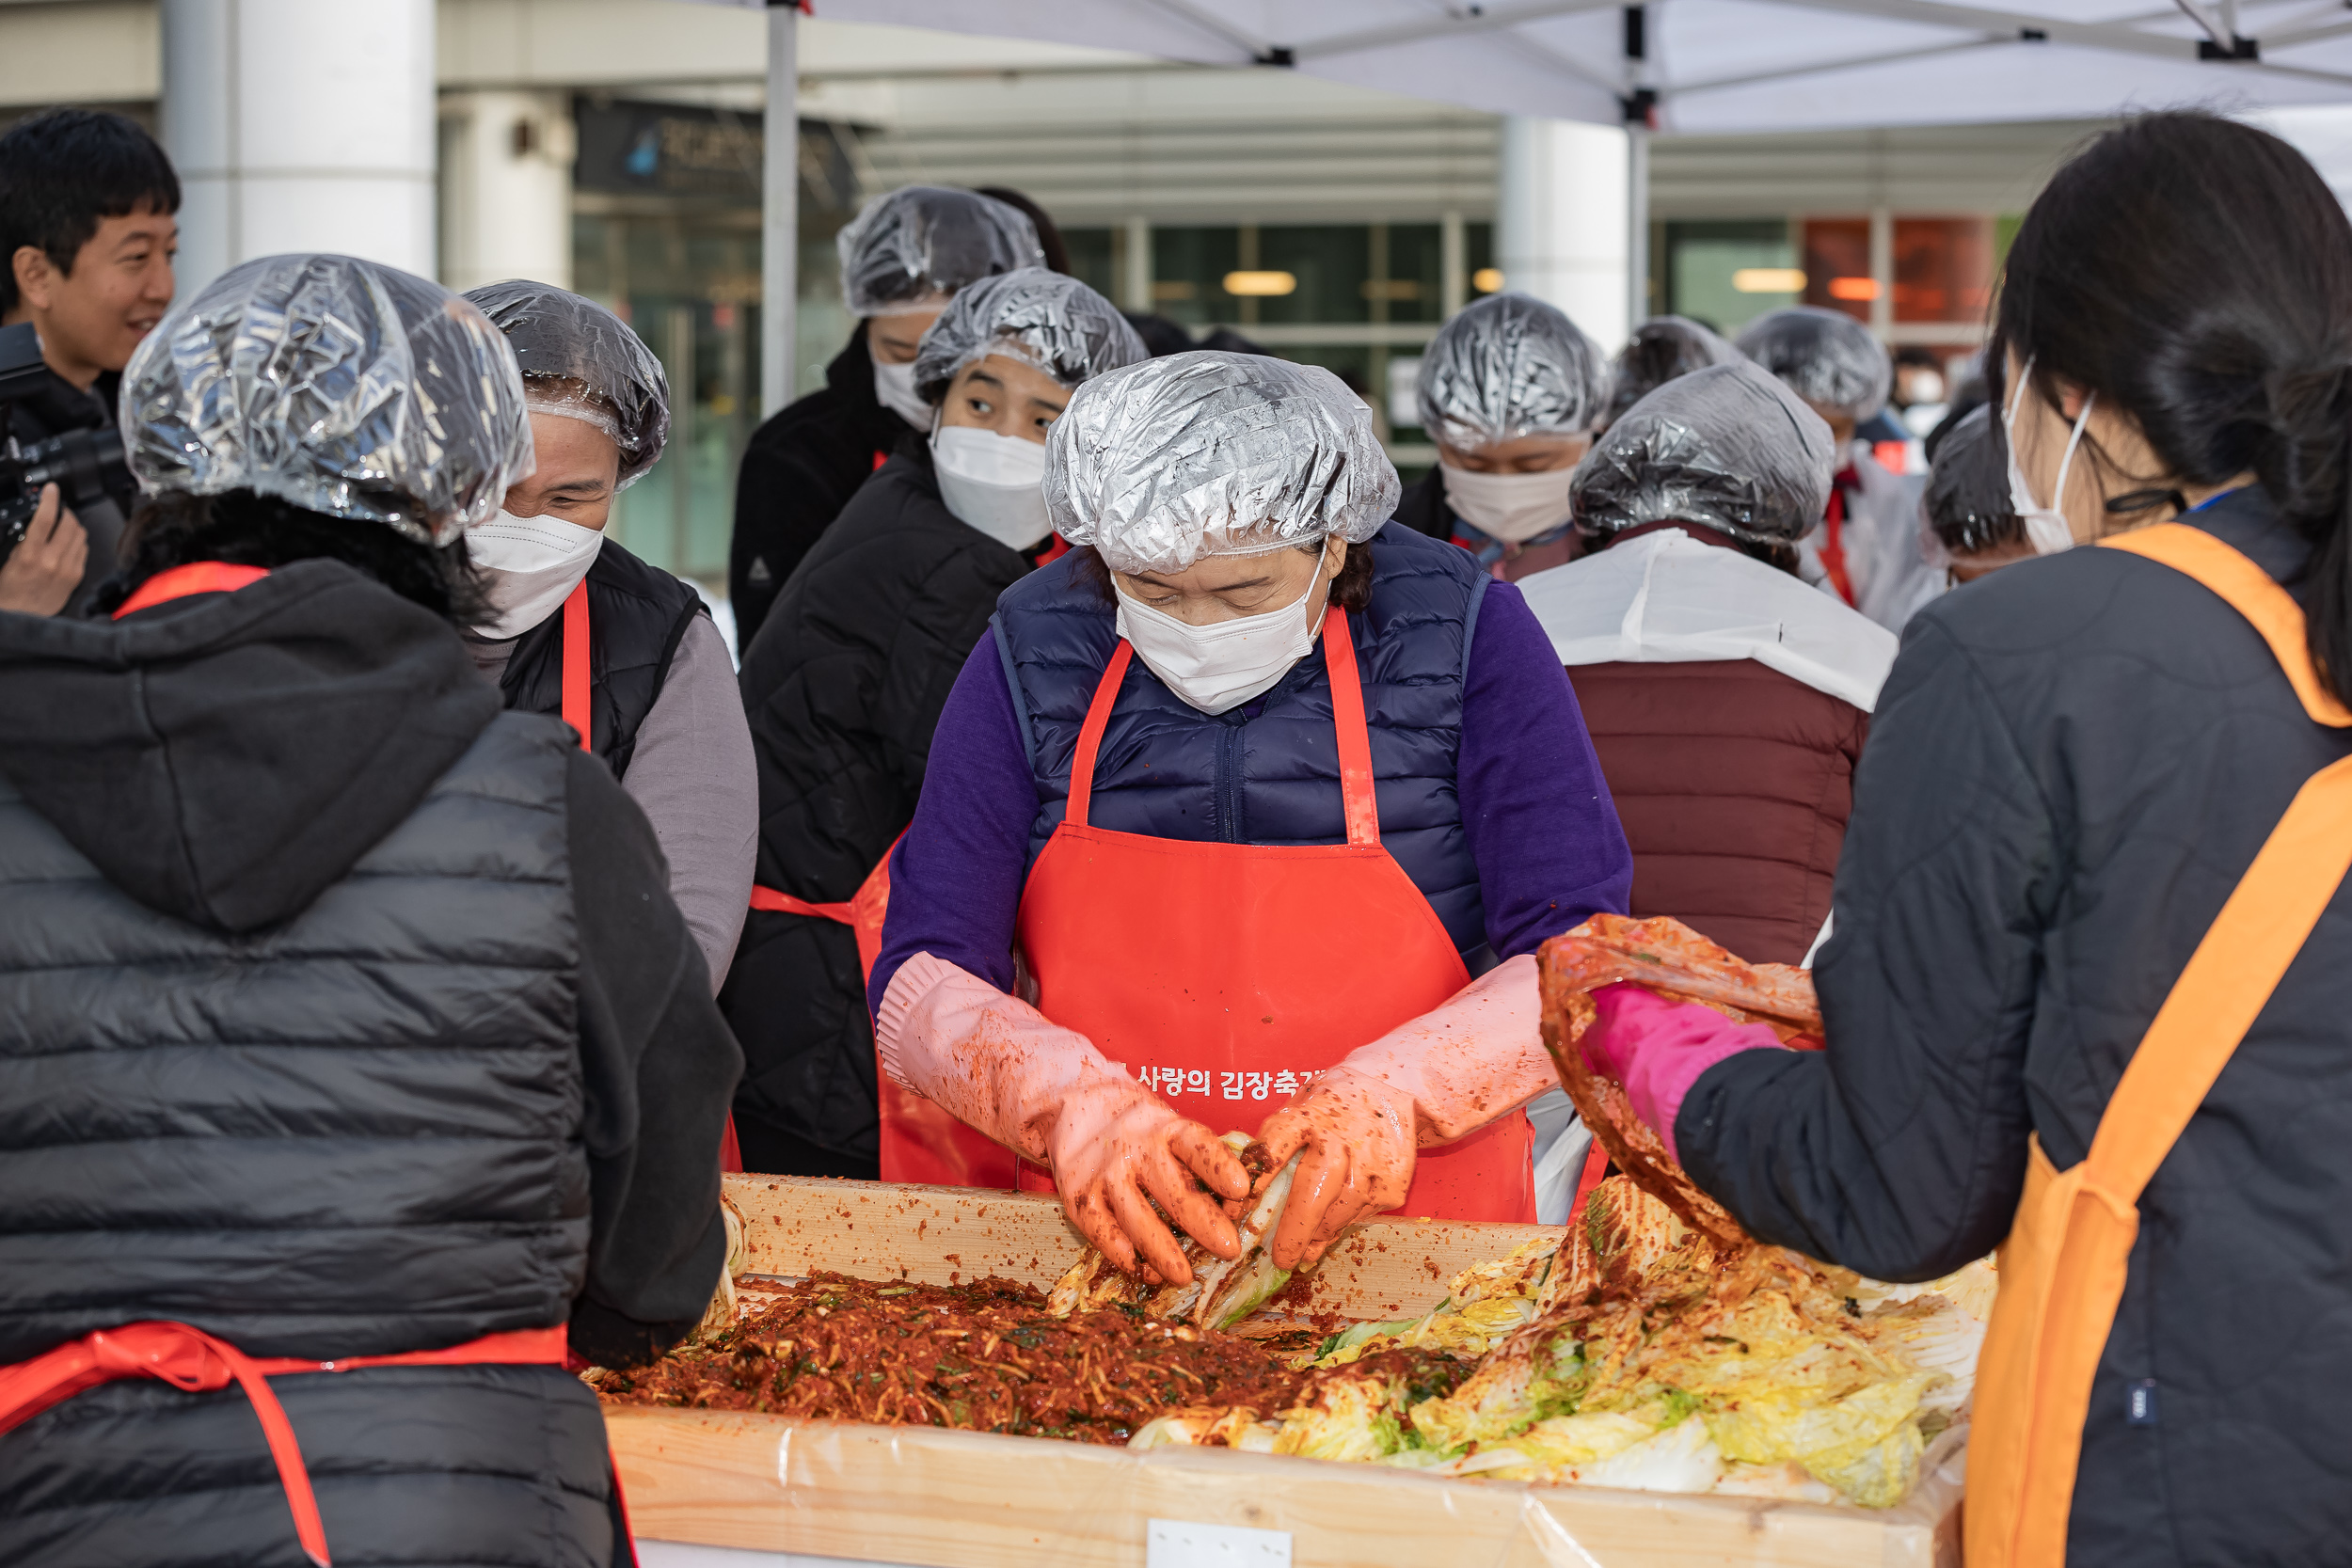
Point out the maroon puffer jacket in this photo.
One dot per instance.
(1734, 783)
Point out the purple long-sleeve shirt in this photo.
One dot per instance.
(1535, 811)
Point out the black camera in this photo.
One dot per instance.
(84, 465)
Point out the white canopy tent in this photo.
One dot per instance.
(1666, 66)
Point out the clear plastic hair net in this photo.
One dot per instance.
(1510, 366)
(1728, 447)
(1203, 453)
(922, 243)
(1050, 320)
(581, 360)
(1660, 349)
(1968, 500)
(344, 387)
(1827, 357)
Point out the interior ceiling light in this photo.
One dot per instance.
(1768, 280)
(1853, 288)
(1260, 284)
(1487, 280)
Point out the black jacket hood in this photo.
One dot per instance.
(226, 758)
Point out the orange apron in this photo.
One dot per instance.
(1226, 976)
(2062, 1269)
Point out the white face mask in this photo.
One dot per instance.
(2047, 528)
(894, 389)
(1513, 508)
(529, 565)
(1224, 664)
(995, 483)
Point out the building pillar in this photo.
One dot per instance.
(297, 126)
(1560, 222)
(1134, 282)
(780, 219)
(506, 188)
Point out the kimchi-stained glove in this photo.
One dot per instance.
(1449, 1072)
(1002, 1067)
(1658, 1049)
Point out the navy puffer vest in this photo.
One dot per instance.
(1267, 772)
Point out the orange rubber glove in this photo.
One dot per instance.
(1472, 1060)
(999, 1065)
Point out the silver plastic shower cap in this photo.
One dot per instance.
(344, 387)
(1827, 357)
(1203, 453)
(581, 360)
(1660, 349)
(1728, 447)
(1510, 366)
(920, 244)
(1051, 321)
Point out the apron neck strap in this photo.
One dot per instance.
(1347, 719)
(2263, 924)
(577, 712)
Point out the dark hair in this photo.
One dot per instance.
(1049, 238)
(1160, 336)
(248, 529)
(1967, 497)
(1779, 555)
(1351, 589)
(64, 170)
(2197, 275)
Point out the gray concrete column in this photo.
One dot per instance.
(298, 125)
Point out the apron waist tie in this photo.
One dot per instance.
(773, 902)
(200, 1363)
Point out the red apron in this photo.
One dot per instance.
(189, 1358)
(1226, 976)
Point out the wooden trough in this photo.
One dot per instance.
(960, 1499)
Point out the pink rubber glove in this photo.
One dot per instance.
(1657, 1049)
(1446, 1073)
(999, 1065)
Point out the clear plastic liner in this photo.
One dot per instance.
(920, 244)
(1660, 349)
(1510, 366)
(1827, 357)
(925, 1496)
(1729, 447)
(581, 360)
(1043, 318)
(346, 386)
(1159, 464)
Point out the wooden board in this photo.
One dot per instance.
(958, 1500)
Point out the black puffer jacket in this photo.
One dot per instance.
(844, 689)
(799, 472)
(2070, 767)
(346, 1015)
(636, 615)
